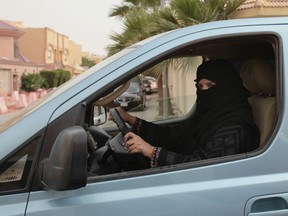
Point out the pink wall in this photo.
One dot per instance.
(15, 72)
(7, 47)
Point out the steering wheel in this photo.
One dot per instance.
(116, 144)
(122, 160)
(119, 121)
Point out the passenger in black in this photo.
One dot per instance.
(222, 125)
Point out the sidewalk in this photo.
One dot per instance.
(19, 100)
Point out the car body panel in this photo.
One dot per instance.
(14, 204)
(183, 191)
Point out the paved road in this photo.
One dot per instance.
(151, 111)
(149, 114)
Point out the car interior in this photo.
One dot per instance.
(255, 59)
(260, 79)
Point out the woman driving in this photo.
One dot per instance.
(222, 125)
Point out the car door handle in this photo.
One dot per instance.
(272, 206)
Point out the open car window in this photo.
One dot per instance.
(164, 92)
(171, 93)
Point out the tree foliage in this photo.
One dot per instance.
(31, 82)
(87, 62)
(144, 18)
(130, 6)
(54, 78)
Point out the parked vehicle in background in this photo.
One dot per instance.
(153, 82)
(50, 165)
(134, 97)
(147, 85)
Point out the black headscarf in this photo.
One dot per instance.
(223, 104)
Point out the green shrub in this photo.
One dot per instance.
(31, 82)
(54, 78)
(50, 79)
(63, 76)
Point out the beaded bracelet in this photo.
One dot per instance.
(155, 157)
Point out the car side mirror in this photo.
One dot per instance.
(66, 167)
(100, 115)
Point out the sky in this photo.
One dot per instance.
(85, 22)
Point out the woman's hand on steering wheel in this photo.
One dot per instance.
(135, 144)
(124, 115)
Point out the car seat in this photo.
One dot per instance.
(260, 79)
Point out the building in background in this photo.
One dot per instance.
(30, 50)
(12, 63)
(51, 48)
(261, 8)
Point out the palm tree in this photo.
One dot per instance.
(142, 19)
(136, 27)
(129, 6)
(136, 16)
(182, 13)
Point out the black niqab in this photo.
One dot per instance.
(223, 104)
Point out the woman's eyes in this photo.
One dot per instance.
(206, 85)
(211, 84)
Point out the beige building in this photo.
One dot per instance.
(53, 49)
(261, 8)
(30, 50)
(12, 63)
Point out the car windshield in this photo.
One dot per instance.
(7, 120)
(134, 87)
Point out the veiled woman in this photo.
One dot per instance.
(222, 124)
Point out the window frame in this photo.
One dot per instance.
(275, 43)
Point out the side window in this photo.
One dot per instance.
(175, 99)
(165, 91)
(14, 172)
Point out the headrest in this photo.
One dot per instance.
(259, 77)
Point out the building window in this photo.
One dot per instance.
(5, 81)
(65, 56)
(16, 48)
(49, 54)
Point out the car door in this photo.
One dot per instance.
(14, 204)
(232, 185)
